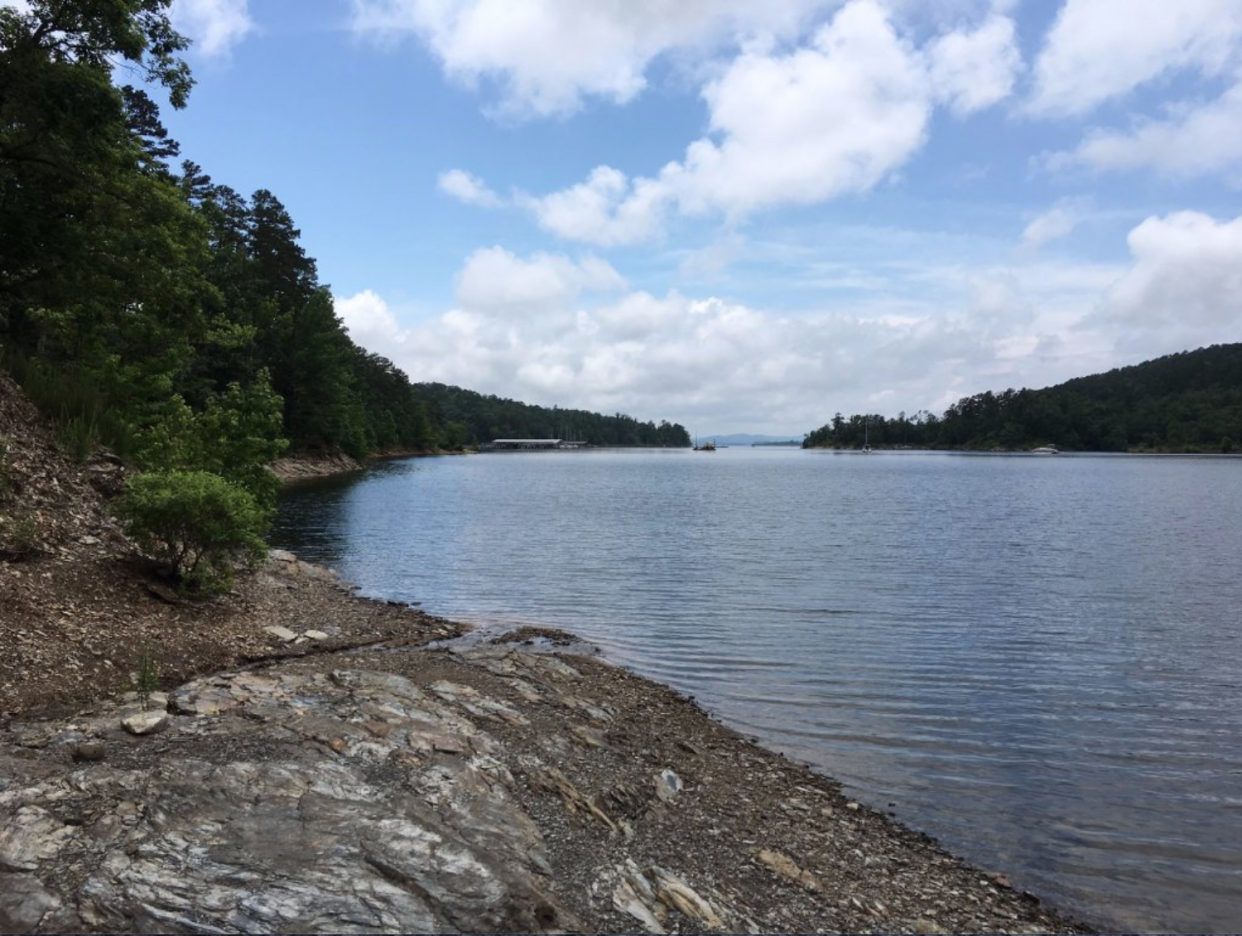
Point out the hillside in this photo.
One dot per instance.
(1185, 402)
(470, 418)
(77, 608)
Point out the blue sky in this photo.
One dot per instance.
(743, 216)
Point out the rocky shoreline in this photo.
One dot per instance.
(317, 762)
(478, 787)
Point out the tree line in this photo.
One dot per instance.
(1185, 402)
(470, 418)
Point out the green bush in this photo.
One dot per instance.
(196, 523)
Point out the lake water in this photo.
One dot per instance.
(1036, 660)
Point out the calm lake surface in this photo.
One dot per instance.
(1036, 660)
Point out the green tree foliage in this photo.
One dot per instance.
(480, 418)
(1185, 402)
(195, 523)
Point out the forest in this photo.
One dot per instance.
(470, 418)
(157, 311)
(1185, 402)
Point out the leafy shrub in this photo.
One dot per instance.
(196, 523)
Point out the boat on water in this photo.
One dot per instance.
(1045, 450)
(706, 447)
(866, 449)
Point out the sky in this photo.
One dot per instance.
(743, 216)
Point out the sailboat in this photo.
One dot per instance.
(866, 449)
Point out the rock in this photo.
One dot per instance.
(284, 836)
(316, 635)
(649, 895)
(163, 592)
(668, 785)
(26, 906)
(144, 723)
(552, 780)
(589, 737)
(280, 633)
(88, 751)
(786, 867)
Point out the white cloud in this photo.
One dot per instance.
(974, 70)
(368, 319)
(1101, 49)
(548, 55)
(498, 282)
(834, 117)
(548, 329)
(216, 26)
(468, 188)
(1184, 287)
(1058, 221)
(1193, 141)
(606, 209)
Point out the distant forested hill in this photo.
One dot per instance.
(1185, 402)
(470, 418)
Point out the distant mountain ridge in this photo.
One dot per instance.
(1189, 402)
(747, 438)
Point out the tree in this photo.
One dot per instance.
(196, 524)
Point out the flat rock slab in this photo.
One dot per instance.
(280, 633)
(339, 809)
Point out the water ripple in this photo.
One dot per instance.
(1034, 659)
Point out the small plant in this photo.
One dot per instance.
(79, 435)
(22, 539)
(6, 483)
(146, 677)
(196, 524)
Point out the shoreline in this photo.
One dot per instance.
(308, 763)
(305, 466)
(764, 843)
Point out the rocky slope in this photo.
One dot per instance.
(78, 609)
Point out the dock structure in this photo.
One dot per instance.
(529, 445)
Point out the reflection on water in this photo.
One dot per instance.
(1036, 660)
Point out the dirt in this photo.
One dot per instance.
(78, 608)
